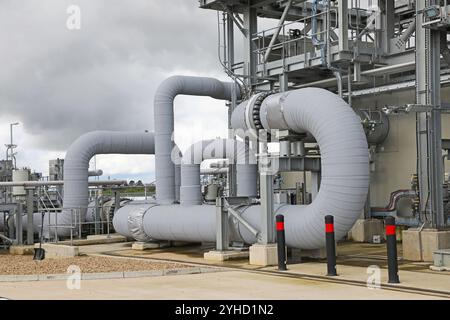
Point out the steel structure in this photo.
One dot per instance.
(354, 48)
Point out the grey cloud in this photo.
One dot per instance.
(62, 83)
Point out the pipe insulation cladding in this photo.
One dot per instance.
(344, 185)
(76, 165)
(165, 95)
(344, 159)
(236, 151)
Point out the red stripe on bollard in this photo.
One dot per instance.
(280, 226)
(390, 230)
(329, 227)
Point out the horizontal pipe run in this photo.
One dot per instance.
(60, 182)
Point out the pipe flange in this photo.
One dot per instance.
(252, 110)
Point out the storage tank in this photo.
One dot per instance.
(20, 175)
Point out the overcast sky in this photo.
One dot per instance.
(60, 83)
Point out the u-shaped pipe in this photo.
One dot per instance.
(76, 165)
(164, 123)
(237, 151)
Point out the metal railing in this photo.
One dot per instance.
(296, 38)
(78, 226)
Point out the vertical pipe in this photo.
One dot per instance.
(330, 245)
(343, 24)
(222, 224)
(281, 243)
(338, 76)
(30, 211)
(391, 244)
(19, 228)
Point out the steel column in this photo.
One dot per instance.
(428, 130)
(250, 26)
(229, 63)
(267, 225)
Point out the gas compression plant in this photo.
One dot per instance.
(335, 108)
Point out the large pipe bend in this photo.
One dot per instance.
(345, 175)
(164, 123)
(236, 151)
(344, 160)
(76, 165)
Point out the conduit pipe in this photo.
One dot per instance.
(76, 165)
(95, 173)
(164, 123)
(236, 151)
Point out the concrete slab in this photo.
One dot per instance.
(264, 255)
(420, 245)
(434, 268)
(433, 240)
(21, 250)
(55, 251)
(149, 245)
(95, 239)
(225, 255)
(411, 245)
(365, 229)
(114, 237)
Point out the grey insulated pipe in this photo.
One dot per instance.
(344, 185)
(164, 123)
(76, 165)
(95, 173)
(344, 159)
(245, 160)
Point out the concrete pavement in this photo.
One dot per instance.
(219, 285)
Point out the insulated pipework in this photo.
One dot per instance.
(237, 151)
(164, 123)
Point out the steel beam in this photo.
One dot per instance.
(277, 30)
(387, 8)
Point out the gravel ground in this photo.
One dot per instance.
(21, 265)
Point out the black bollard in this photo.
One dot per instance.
(281, 243)
(330, 245)
(391, 244)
